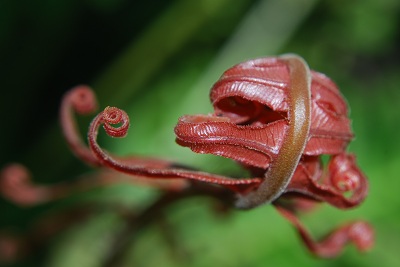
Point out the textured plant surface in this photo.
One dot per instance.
(157, 61)
(273, 116)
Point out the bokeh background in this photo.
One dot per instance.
(157, 60)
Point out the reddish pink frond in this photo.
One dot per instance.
(80, 99)
(255, 145)
(359, 233)
(16, 186)
(154, 172)
(256, 91)
(343, 176)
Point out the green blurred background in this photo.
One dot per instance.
(157, 60)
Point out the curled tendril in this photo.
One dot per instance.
(16, 186)
(343, 176)
(82, 100)
(113, 116)
(359, 232)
